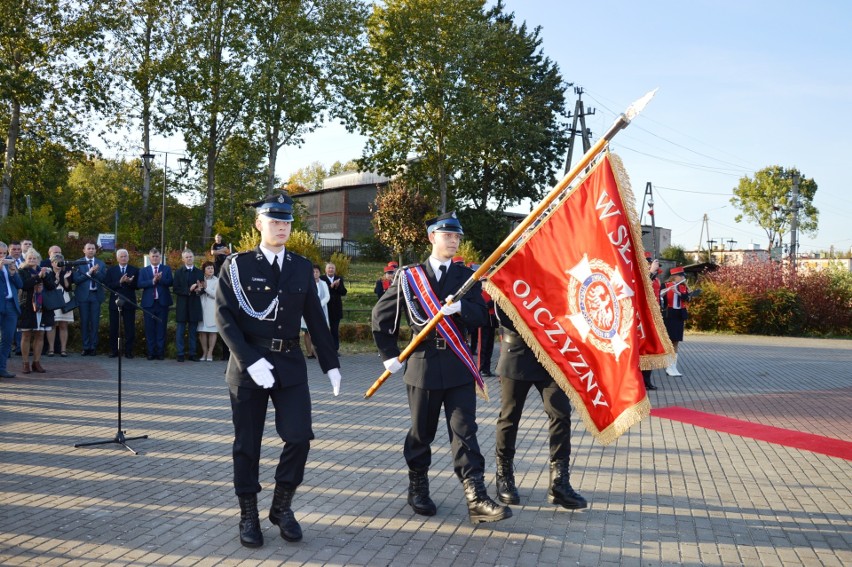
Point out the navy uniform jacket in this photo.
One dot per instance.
(297, 296)
(126, 289)
(428, 367)
(517, 361)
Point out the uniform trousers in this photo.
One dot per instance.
(460, 412)
(556, 406)
(292, 422)
(482, 342)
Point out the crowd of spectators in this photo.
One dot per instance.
(30, 329)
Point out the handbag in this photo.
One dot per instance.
(70, 305)
(53, 299)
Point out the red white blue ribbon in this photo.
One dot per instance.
(431, 305)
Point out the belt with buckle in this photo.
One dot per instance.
(275, 345)
(440, 343)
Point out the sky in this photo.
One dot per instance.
(742, 86)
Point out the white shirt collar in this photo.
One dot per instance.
(436, 264)
(269, 255)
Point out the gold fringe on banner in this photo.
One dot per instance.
(646, 361)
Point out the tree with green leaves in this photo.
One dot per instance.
(398, 216)
(207, 86)
(767, 201)
(300, 50)
(459, 100)
(52, 73)
(136, 56)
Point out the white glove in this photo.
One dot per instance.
(260, 373)
(451, 308)
(334, 376)
(392, 365)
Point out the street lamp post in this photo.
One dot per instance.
(184, 165)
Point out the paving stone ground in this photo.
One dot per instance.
(666, 493)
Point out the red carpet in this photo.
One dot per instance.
(786, 437)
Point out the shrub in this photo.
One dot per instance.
(777, 312)
(304, 244)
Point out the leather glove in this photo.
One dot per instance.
(392, 365)
(334, 376)
(260, 373)
(451, 308)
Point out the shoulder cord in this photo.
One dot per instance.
(417, 317)
(241, 295)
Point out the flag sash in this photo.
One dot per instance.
(418, 283)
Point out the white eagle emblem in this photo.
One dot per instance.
(600, 305)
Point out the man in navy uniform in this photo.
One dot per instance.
(435, 375)
(519, 371)
(262, 297)
(188, 286)
(121, 279)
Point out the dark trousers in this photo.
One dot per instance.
(90, 318)
(183, 327)
(482, 344)
(334, 326)
(128, 316)
(460, 412)
(556, 406)
(155, 331)
(292, 422)
(8, 324)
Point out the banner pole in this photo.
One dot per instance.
(620, 123)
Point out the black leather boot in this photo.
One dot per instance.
(507, 492)
(282, 516)
(480, 507)
(418, 494)
(560, 491)
(646, 377)
(250, 534)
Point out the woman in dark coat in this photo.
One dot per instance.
(34, 319)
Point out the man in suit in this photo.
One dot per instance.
(262, 297)
(435, 375)
(122, 280)
(10, 283)
(335, 305)
(89, 297)
(188, 287)
(519, 370)
(154, 281)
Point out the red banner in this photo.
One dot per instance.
(579, 293)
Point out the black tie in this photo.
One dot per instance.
(443, 270)
(275, 268)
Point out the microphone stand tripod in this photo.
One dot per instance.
(120, 438)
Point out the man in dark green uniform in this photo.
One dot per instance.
(263, 294)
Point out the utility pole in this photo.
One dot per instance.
(579, 114)
(794, 224)
(649, 193)
(705, 223)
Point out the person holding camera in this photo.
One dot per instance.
(35, 319)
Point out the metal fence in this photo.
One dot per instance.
(328, 246)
